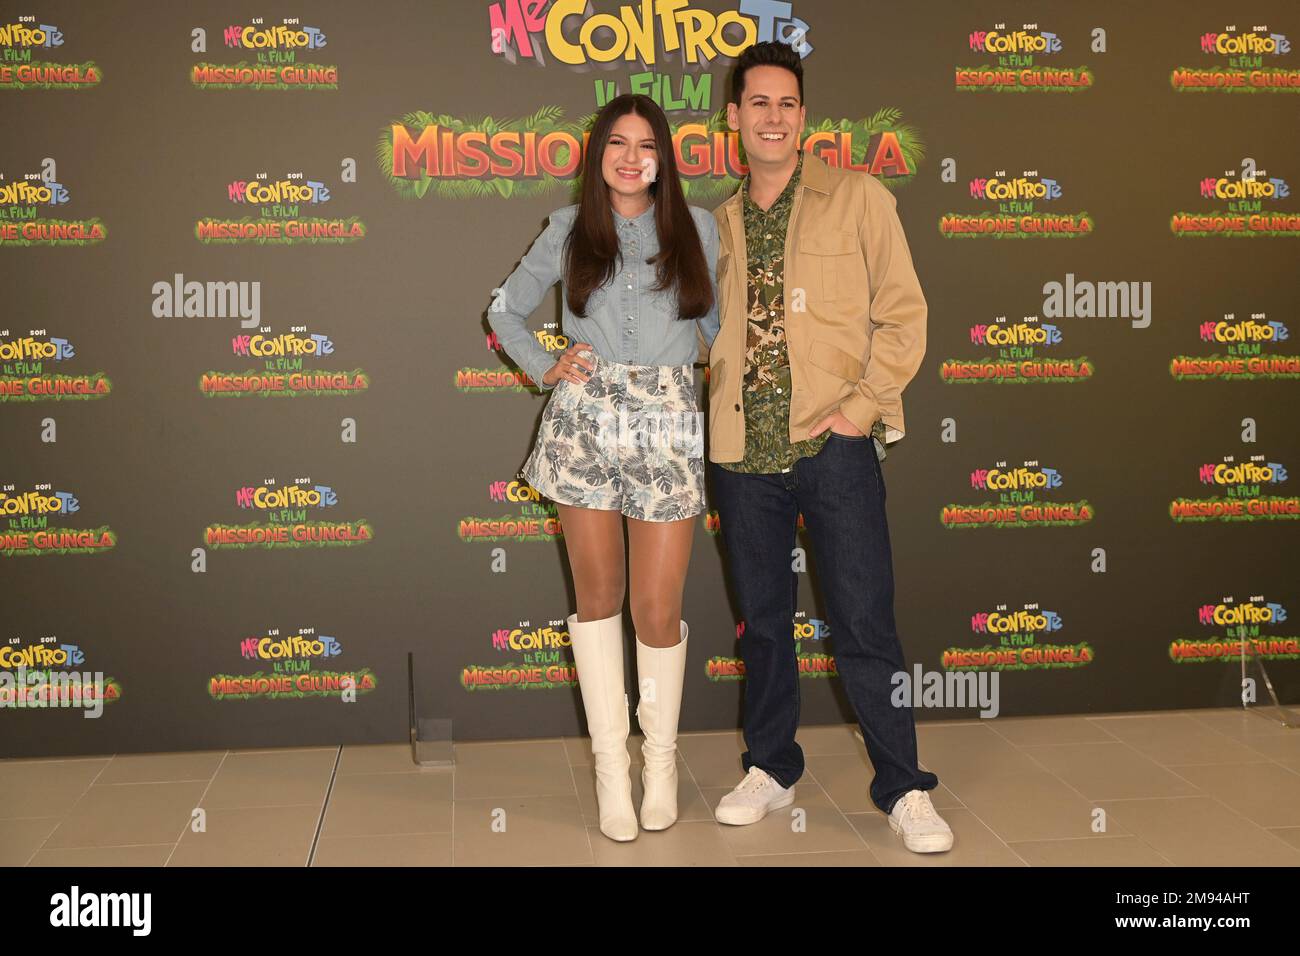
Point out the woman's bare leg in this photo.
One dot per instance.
(594, 543)
(660, 555)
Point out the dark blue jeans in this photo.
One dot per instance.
(841, 492)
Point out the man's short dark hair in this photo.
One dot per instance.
(767, 53)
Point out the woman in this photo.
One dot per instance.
(621, 435)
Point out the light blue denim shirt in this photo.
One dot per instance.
(627, 321)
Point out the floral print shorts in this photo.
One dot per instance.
(629, 439)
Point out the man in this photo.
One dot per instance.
(823, 324)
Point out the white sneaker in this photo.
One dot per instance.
(752, 799)
(923, 830)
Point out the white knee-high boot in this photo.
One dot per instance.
(661, 671)
(598, 653)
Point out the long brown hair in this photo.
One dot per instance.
(591, 252)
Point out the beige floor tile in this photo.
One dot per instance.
(380, 758)
(149, 855)
(1112, 771)
(162, 767)
(846, 778)
(714, 759)
(366, 804)
(1028, 731)
(281, 778)
(1241, 724)
(834, 858)
(20, 838)
(1284, 748)
(1265, 793)
(1201, 831)
(521, 831)
(1032, 806)
(1016, 791)
(519, 769)
(963, 753)
(1175, 739)
(690, 802)
(1171, 712)
(973, 843)
(122, 814)
(941, 797)
(1289, 834)
(578, 749)
(394, 849)
(1091, 851)
(682, 844)
(820, 828)
(250, 836)
(45, 788)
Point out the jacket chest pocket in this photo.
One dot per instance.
(829, 258)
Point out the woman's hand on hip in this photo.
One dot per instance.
(571, 366)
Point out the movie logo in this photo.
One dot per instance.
(652, 32)
(271, 56)
(1237, 59)
(1017, 353)
(25, 42)
(1017, 206)
(1024, 638)
(287, 210)
(30, 208)
(537, 518)
(1251, 490)
(294, 515)
(1247, 207)
(1025, 59)
(1230, 629)
(35, 522)
(47, 673)
(1243, 349)
(294, 665)
(1020, 492)
(451, 157)
(290, 367)
(538, 660)
(37, 367)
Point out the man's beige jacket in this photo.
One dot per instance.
(854, 312)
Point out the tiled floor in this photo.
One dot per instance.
(1202, 787)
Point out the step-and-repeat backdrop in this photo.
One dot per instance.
(260, 445)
